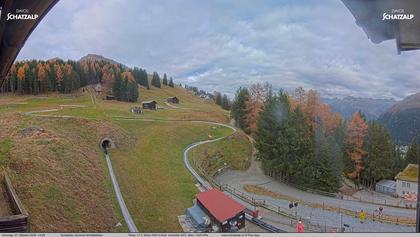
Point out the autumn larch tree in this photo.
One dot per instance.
(357, 130)
(21, 79)
(59, 77)
(254, 104)
(42, 76)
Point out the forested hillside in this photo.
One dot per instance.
(371, 108)
(403, 119)
(300, 140)
(56, 75)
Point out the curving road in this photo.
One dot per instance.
(187, 164)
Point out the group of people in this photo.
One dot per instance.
(300, 227)
(362, 214)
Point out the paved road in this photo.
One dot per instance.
(127, 217)
(321, 217)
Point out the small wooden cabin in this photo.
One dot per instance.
(149, 104)
(173, 100)
(110, 97)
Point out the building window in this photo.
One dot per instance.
(407, 184)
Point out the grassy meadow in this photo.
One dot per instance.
(60, 173)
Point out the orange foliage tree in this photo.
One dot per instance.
(317, 112)
(254, 105)
(357, 130)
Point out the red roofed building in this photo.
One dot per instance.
(227, 213)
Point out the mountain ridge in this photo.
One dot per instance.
(370, 107)
(97, 57)
(403, 119)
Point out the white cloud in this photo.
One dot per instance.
(221, 45)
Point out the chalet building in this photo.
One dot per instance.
(149, 104)
(173, 100)
(407, 182)
(224, 213)
(110, 97)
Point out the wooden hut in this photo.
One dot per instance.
(173, 100)
(149, 104)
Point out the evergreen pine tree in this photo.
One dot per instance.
(225, 102)
(156, 80)
(238, 110)
(171, 83)
(218, 98)
(413, 156)
(116, 86)
(379, 158)
(165, 80)
(132, 91)
(123, 89)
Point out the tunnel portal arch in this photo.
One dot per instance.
(107, 143)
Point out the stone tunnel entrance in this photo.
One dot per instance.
(107, 143)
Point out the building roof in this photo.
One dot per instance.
(387, 183)
(197, 215)
(219, 204)
(410, 173)
(14, 33)
(369, 16)
(148, 102)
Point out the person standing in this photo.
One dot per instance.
(362, 216)
(300, 228)
(380, 211)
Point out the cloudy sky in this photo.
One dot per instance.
(221, 44)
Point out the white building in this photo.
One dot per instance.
(407, 181)
(98, 88)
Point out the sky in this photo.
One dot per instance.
(222, 45)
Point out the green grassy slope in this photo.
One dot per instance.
(60, 174)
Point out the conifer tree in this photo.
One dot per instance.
(225, 102)
(132, 91)
(171, 83)
(165, 80)
(123, 89)
(238, 111)
(413, 156)
(156, 80)
(218, 98)
(116, 86)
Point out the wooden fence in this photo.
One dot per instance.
(410, 221)
(20, 221)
